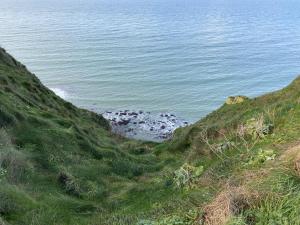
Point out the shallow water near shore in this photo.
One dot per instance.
(170, 56)
(142, 125)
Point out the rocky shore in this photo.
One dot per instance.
(144, 125)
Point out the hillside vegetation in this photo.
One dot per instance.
(62, 165)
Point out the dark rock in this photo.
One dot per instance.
(123, 122)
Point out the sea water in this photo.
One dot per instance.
(161, 56)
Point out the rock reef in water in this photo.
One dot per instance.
(144, 125)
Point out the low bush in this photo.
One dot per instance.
(69, 183)
(256, 127)
(261, 157)
(187, 175)
(221, 147)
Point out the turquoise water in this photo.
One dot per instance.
(178, 56)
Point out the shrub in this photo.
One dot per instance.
(257, 127)
(261, 157)
(93, 190)
(80, 188)
(223, 146)
(186, 175)
(69, 183)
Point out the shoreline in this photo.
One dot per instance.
(142, 125)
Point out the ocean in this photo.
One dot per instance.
(163, 56)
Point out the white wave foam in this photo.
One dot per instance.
(60, 92)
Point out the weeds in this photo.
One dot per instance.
(278, 210)
(187, 175)
(258, 128)
(261, 157)
(69, 183)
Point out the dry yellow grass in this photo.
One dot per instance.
(228, 203)
(292, 154)
(232, 100)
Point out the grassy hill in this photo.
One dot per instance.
(62, 165)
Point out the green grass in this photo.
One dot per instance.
(62, 165)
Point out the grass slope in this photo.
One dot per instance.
(61, 165)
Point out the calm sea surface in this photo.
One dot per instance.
(178, 56)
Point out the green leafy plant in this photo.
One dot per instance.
(258, 128)
(261, 157)
(221, 147)
(186, 175)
